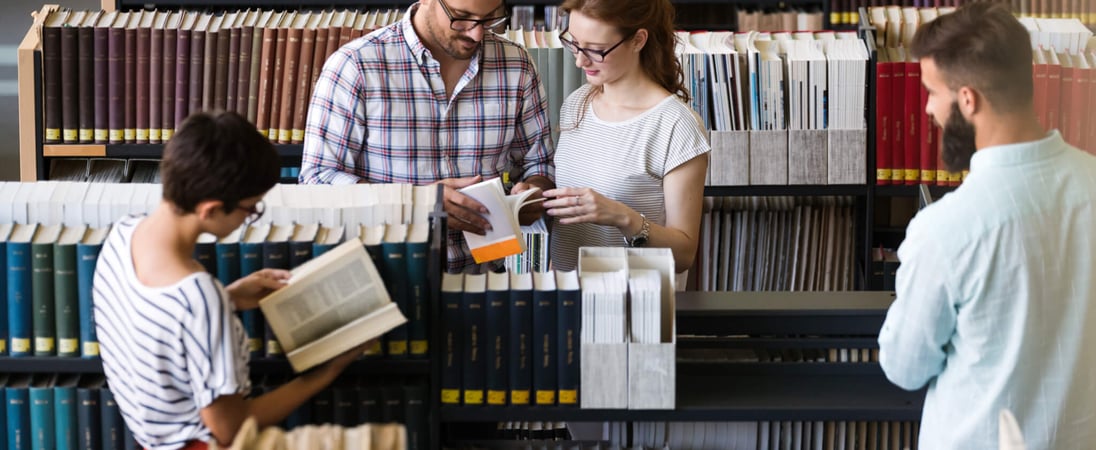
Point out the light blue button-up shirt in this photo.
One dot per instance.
(996, 302)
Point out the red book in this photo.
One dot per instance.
(1039, 89)
(898, 108)
(928, 142)
(304, 79)
(182, 68)
(282, 33)
(169, 57)
(1054, 90)
(233, 76)
(129, 121)
(156, 78)
(1065, 103)
(290, 75)
(116, 80)
(266, 69)
(912, 123)
(243, 73)
(144, 55)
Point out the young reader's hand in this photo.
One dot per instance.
(585, 205)
(531, 212)
(247, 291)
(336, 365)
(465, 213)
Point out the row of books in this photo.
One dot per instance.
(65, 412)
(908, 140)
(510, 339)
(50, 251)
(776, 243)
(757, 354)
(133, 76)
(846, 12)
(791, 435)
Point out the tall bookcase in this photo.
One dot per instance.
(707, 390)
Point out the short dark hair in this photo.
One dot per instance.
(217, 156)
(982, 46)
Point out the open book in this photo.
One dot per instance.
(505, 237)
(331, 304)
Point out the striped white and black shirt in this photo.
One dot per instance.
(167, 352)
(625, 161)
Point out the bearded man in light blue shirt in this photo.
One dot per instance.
(996, 294)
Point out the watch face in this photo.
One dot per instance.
(639, 241)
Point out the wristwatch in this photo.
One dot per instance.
(640, 239)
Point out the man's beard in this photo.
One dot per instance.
(958, 138)
(450, 45)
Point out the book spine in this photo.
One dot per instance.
(155, 86)
(206, 255)
(474, 319)
(209, 69)
(51, 83)
(376, 254)
(66, 300)
(170, 56)
(45, 333)
(100, 61)
(4, 327)
(144, 55)
(251, 260)
(394, 259)
(275, 256)
(568, 345)
(87, 255)
(289, 83)
(545, 322)
(195, 70)
(42, 429)
(129, 120)
(496, 334)
(86, 81)
(64, 407)
(276, 78)
(521, 343)
(300, 252)
(220, 76)
(111, 422)
(369, 404)
(253, 75)
(70, 93)
(20, 310)
(452, 338)
(233, 72)
(17, 403)
(344, 408)
(243, 76)
(418, 329)
(116, 79)
(88, 421)
(303, 86)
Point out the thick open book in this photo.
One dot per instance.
(331, 304)
(505, 237)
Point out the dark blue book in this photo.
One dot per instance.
(323, 408)
(113, 428)
(89, 428)
(394, 260)
(17, 404)
(301, 243)
(521, 338)
(326, 239)
(344, 401)
(568, 344)
(452, 291)
(205, 252)
(42, 426)
(392, 408)
(418, 289)
(251, 260)
(5, 232)
(87, 253)
(545, 331)
(20, 309)
(371, 238)
(474, 365)
(3, 409)
(414, 416)
(227, 253)
(64, 407)
(369, 403)
(497, 336)
(275, 255)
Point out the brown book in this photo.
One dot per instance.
(266, 70)
(144, 55)
(255, 65)
(182, 68)
(169, 56)
(333, 27)
(304, 78)
(86, 76)
(220, 58)
(197, 62)
(156, 77)
(116, 79)
(129, 121)
(290, 75)
(243, 62)
(101, 35)
(276, 75)
(232, 80)
(346, 29)
(319, 54)
(209, 68)
(70, 107)
(51, 73)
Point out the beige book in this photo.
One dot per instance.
(331, 304)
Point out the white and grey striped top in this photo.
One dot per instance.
(167, 352)
(625, 161)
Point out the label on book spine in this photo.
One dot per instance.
(419, 347)
(91, 349)
(3, 346)
(142, 134)
(86, 135)
(450, 396)
(397, 347)
(254, 344)
(519, 397)
(69, 135)
(375, 349)
(100, 135)
(43, 345)
(273, 348)
(546, 397)
(116, 136)
(167, 133)
(568, 397)
(65, 346)
(53, 134)
(473, 397)
(496, 397)
(20, 345)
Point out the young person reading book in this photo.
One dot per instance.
(174, 353)
(632, 155)
(996, 297)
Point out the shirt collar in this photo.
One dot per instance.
(1019, 153)
(409, 35)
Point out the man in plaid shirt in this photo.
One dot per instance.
(434, 98)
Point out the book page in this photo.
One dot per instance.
(325, 294)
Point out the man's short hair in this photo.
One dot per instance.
(981, 46)
(217, 156)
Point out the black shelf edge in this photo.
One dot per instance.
(702, 342)
(53, 364)
(740, 398)
(788, 190)
(910, 190)
(155, 151)
(732, 369)
(790, 303)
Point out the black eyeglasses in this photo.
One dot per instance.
(591, 54)
(254, 212)
(456, 24)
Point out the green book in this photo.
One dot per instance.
(44, 326)
(66, 295)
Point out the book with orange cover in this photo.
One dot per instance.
(505, 237)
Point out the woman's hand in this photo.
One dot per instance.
(247, 291)
(585, 205)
